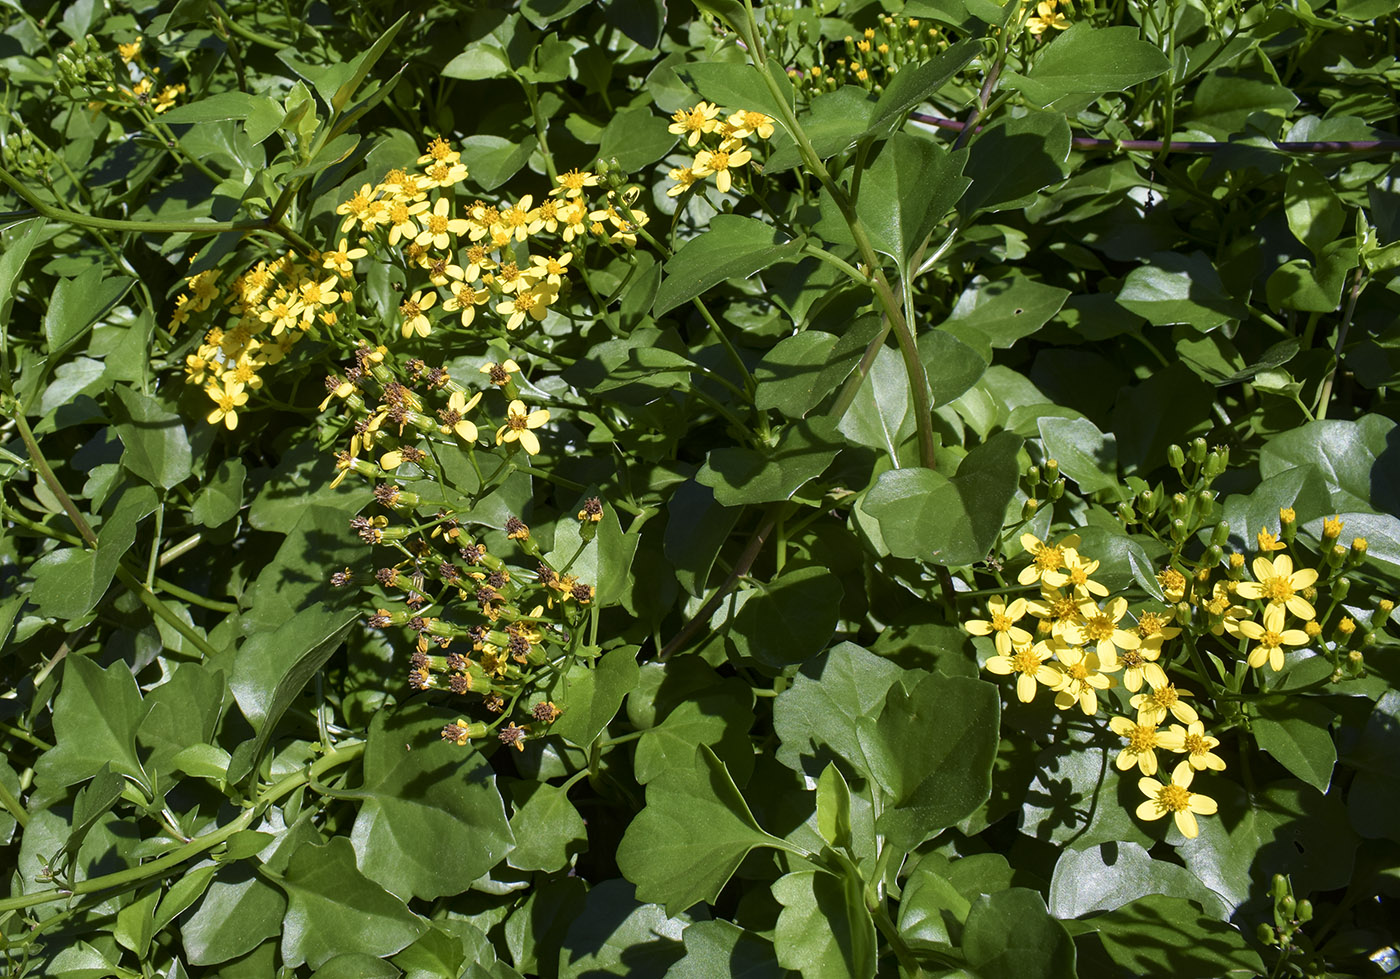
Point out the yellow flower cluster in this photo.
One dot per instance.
(143, 90)
(1080, 640)
(1046, 17)
(726, 153)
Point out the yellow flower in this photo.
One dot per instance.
(1002, 624)
(719, 163)
(438, 228)
(129, 53)
(453, 416)
(551, 269)
(572, 183)
(533, 302)
(1029, 661)
(1044, 556)
(412, 309)
(1077, 574)
(748, 123)
(1270, 638)
(357, 209)
(400, 217)
(1055, 610)
(1332, 528)
(245, 369)
(684, 178)
(1140, 750)
(466, 299)
(227, 400)
(1268, 542)
(1099, 627)
(1278, 583)
(339, 259)
(1177, 799)
(520, 220)
(439, 152)
(499, 374)
(1153, 706)
(694, 121)
(1046, 17)
(1173, 583)
(1082, 676)
(442, 174)
(1195, 743)
(519, 423)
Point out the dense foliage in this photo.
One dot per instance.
(625, 488)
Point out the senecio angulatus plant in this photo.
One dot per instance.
(838, 489)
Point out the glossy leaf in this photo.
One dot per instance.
(732, 247)
(824, 930)
(1009, 935)
(1090, 61)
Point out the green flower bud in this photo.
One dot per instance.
(1147, 503)
(1181, 506)
(1305, 911)
(1340, 589)
(1176, 457)
(1029, 507)
(1198, 450)
(1179, 530)
(1221, 534)
(1052, 468)
(1057, 489)
(1126, 515)
(1265, 934)
(1215, 554)
(1287, 905)
(1033, 475)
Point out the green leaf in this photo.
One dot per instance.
(824, 930)
(590, 697)
(332, 908)
(1313, 287)
(691, 837)
(1315, 213)
(1375, 792)
(1039, 143)
(535, 932)
(361, 65)
(1010, 935)
(492, 160)
(1159, 935)
(181, 715)
(733, 247)
(636, 137)
(1085, 60)
(818, 712)
(925, 515)
(1353, 458)
(700, 708)
(1176, 288)
(719, 948)
(931, 909)
(736, 85)
(157, 448)
(211, 108)
(912, 85)
(834, 807)
(1296, 732)
(616, 936)
(906, 192)
(236, 914)
(1074, 802)
(221, 497)
(183, 892)
(788, 375)
(64, 583)
(1001, 312)
(931, 751)
(481, 60)
(76, 304)
(741, 475)
(882, 414)
(16, 244)
(791, 618)
(1287, 828)
(94, 722)
(950, 365)
(1112, 874)
(273, 667)
(419, 790)
(546, 827)
(1085, 454)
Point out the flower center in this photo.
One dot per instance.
(410, 308)
(1049, 558)
(1165, 697)
(398, 213)
(1173, 798)
(1271, 640)
(1196, 745)
(1150, 624)
(720, 160)
(1025, 661)
(1142, 739)
(1001, 622)
(437, 223)
(1278, 589)
(1131, 658)
(525, 301)
(1079, 671)
(517, 423)
(1099, 627)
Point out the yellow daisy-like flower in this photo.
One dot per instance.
(720, 163)
(1046, 17)
(1002, 624)
(533, 302)
(1177, 799)
(520, 220)
(439, 152)
(1267, 541)
(1076, 574)
(551, 269)
(747, 123)
(1140, 749)
(1154, 705)
(690, 123)
(684, 178)
(1139, 665)
(1277, 583)
(339, 259)
(412, 309)
(438, 227)
(1044, 556)
(454, 416)
(1270, 638)
(1030, 663)
(1173, 584)
(1082, 676)
(227, 400)
(1196, 744)
(499, 374)
(573, 182)
(519, 425)
(1055, 610)
(1099, 628)
(402, 220)
(466, 299)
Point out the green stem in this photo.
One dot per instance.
(1324, 394)
(13, 806)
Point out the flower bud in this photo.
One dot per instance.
(1198, 450)
(1383, 609)
(1305, 911)
(1033, 475)
(1287, 905)
(1336, 555)
(1332, 528)
(1057, 489)
(1340, 589)
(1358, 552)
(1278, 887)
(1215, 554)
(1176, 457)
(1029, 507)
(1052, 468)
(1355, 662)
(1183, 613)
(1126, 515)
(1180, 531)
(1147, 503)
(1220, 534)
(1181, 506)
(1265, 933)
